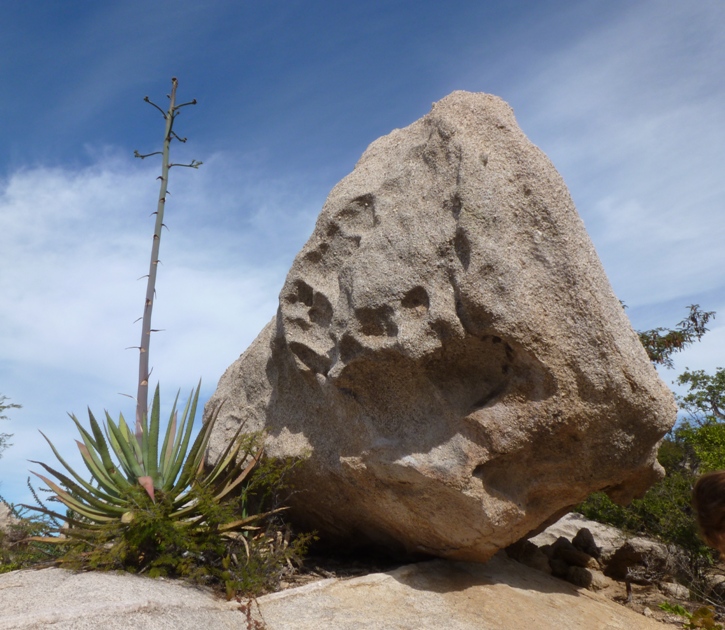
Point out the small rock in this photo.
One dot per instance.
(567, 552)
(609, 539)
(559, 568)
(579, 576)
(675, 590)
(642, 561)
(590, 579)
(584, 541)
(6, 517)
(529, 554)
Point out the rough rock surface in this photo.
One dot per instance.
(500, 595)
(89, 601)
(6, 517)
(448, 353)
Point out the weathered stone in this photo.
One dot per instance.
(566, 551)
(673, 589)
(500, 595)
(529, 554)
(65, 600)
(589, 578)
(642, 561)
(448, 353)
(6, 517)
(584, 541)
(608, 539)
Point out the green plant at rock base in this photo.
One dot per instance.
(172, 476)
(151, 506)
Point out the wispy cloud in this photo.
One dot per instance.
(75, 243)
(631, 112)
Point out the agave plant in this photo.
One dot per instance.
(173, 471)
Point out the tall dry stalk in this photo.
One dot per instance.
(146, 330)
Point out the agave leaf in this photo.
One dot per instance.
(167, 449)
(180, 454)
(116, 448)
(93, 497)
(83, 430)
(93, 463)
(150, 443)
(147, 483)
(250, 519)
(195, 457)
(77, 477)
(184, 417)
(87, 437)
(233, 484)
(104, 481)
(74, 504)
(229, 456)
(102, 449)
(127, 457)
(112, 483)
(130, 438)
(74, 523)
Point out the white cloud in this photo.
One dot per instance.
(632, 113)
(74, 244)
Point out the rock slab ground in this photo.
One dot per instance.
(448, 356)
(498, 595)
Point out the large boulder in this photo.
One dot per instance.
(448, 355)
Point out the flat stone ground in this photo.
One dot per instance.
(431, 595)
(643, 599)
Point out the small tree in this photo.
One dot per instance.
(662, 343)
(4, 437)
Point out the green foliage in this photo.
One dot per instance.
(4, 437)
(706, 396)
(172, 472)
(662, 343)
(664, 513)
(17, 550)
(703, 617)
(706, 443)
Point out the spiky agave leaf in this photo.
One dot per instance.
(122, 445)
(166, 458)
(181, 445)
(150, 441)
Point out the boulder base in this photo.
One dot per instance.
(448, 355)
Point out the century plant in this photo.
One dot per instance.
(172, 475)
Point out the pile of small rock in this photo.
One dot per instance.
(597, 557)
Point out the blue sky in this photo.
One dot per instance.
(627, 99)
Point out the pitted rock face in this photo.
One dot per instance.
(448, 354)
